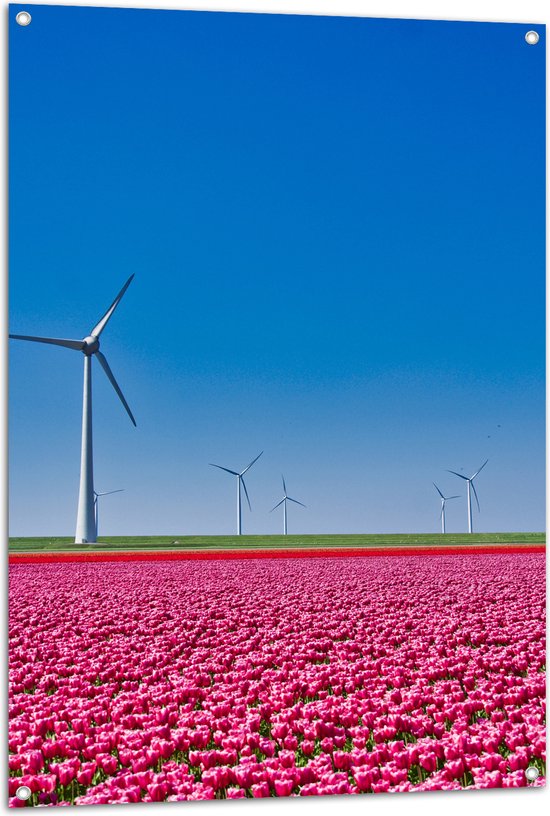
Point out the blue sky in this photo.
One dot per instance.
(337, 232)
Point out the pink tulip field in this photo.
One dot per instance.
(165, 681)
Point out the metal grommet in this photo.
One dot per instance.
(23, 792)
(532, 38)
(532, 773)
(23, 18)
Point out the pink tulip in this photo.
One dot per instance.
(428, 762)
(307, 747)
(157, 792)
(341, 760)
(363, 779)
(283, 787)
(86, 773)
(456, 768)
(47, 782)
(235, 793)
(261, 790)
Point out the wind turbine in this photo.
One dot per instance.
(283, 502)
(444, 499)
(86, 526)
(240, 481)
(471, 486)
(96, 504)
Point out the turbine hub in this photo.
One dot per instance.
(91, 345)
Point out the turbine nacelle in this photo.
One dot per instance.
(91, 345)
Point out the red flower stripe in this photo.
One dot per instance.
(232, 555)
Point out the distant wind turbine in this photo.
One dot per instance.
(444, 499)
(283, 502)
(96, 504)
(240, 481)
(86, 528)
(471, 486)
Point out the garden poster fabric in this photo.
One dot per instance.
(277, 406)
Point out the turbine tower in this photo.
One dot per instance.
(96, 504)
(470, 486)
(283, 501)
(444, 499)
(86, 527)
(240, 481)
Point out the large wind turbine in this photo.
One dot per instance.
(444, 500)
(240, 481)
(470, 486)
(86, 527)
(96, 504)
(283, 502)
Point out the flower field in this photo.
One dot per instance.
(156, 680)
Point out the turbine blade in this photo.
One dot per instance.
(78, 345)
(111, 378)
(250, 465)
(96, 331)
(475, 494)
(296, 501)
(245, 493)
(480, 469)
(109, 492)
(276, 506)
(451, 497)
(458, 474)
(233, 472)
(438, 490)
(284, 485)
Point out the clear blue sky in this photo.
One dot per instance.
(337, 232)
